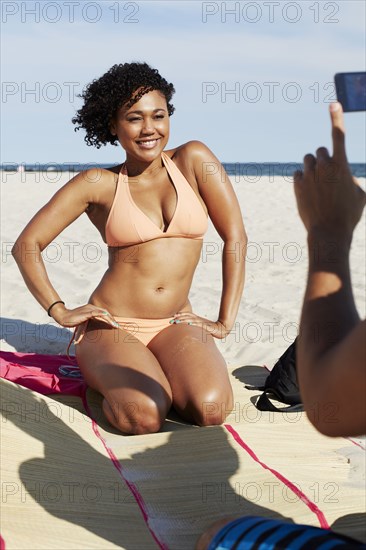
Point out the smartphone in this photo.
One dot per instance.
(351, 91)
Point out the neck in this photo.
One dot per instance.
(136, 168)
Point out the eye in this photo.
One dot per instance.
(159, 116)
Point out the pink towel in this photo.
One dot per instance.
(41, 373)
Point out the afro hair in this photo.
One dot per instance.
(105, 95)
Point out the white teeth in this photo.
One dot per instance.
(150, 143)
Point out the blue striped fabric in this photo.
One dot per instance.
(330, 544)
(232, 531)
(263, 528)
(280, 533)
(306, 536)
(249, 533)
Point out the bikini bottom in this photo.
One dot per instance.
(142, 329)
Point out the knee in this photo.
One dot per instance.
(136, 418)
(213, 408)
(148, 421)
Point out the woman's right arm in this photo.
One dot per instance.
(63, 208)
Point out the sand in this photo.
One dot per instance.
(269, 313)
(329, 472)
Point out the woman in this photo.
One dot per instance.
(138, 341)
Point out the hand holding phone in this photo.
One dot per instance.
(329, 199)
(351, 91)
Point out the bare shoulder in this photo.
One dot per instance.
(88, 190)
(94, 184)
(194, 158)
(191, 151)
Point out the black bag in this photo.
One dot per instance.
(282, 384)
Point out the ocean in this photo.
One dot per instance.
(251, 171)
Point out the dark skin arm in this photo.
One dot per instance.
(331, 348)
(223, 208)
(63, 208)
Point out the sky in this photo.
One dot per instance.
(253, 79)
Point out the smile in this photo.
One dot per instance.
(150, 144)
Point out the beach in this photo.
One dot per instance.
(276, 265)
(163, 490)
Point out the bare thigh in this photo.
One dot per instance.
(137, 394)
(197, 373)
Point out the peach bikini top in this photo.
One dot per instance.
(127, 224)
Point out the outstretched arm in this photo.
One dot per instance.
(331, 347)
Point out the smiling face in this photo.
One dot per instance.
(143, 128)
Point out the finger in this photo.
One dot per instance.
(338, 131)
(309, 163)
(298, 176)
(185, 315)
(106, 317)
(190, 320)
(102, 311)
(322, 154)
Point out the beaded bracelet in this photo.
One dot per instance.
(51, 306)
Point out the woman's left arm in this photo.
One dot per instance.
(223, 208)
